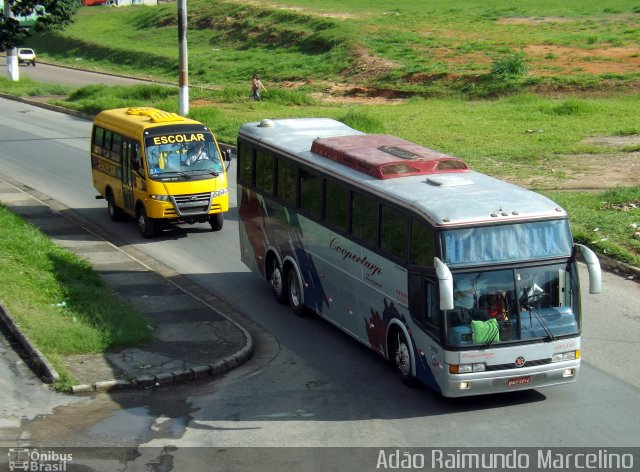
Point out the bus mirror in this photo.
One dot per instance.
(445, 283)
(593, 266)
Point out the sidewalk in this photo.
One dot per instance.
(193, 334)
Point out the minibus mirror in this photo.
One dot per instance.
(226, 155)
(445, 283)
(593, 266)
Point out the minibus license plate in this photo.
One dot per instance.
(518, 381)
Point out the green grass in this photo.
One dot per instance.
(57, 299)
(605, 221)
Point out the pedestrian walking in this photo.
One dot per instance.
(256, 85)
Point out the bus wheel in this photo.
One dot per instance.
(402, 358)
(295, 293)
(216, 221)
(276, 282)
(146, 225)
(115, 213)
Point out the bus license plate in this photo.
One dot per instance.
(518, 381)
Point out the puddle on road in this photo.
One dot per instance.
(139, 424)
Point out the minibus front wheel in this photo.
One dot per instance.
(146, 225)
(216, 221)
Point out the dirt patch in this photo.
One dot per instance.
(559, 60)
(593, 171)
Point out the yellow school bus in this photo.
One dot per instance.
(158, 167)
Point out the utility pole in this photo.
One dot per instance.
(182, 58)
(13, 73)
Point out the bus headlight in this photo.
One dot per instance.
(566, 356)
(217, 193)
(162, 198)
(467, 368)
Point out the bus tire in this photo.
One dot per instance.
(294, 292)
(115, 213)
(146, 225)
(401, 357)
(275, 279)
(216, 221)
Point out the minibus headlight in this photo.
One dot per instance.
(566, 356)
(217, 193)
(162, 198)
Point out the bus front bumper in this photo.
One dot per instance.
(462, 385)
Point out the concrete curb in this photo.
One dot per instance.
(620, 268)
(48, 372)
(169, 378)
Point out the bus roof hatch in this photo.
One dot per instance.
(384, 156)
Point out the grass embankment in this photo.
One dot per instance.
(420, 48)
(57, 299)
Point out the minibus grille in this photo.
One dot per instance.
(196, 204)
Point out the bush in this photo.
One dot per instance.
(509, 66)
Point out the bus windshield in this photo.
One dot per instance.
(183, 161)
(482, 245)
(510, 305)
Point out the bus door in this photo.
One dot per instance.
(424, 309)
(130, 163)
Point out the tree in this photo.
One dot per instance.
(59, 14)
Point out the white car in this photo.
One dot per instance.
(26, 55)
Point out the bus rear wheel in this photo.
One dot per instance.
(216, 221)
(115, 213)
(295, 293)
(401, 357)
(146, 225)
(275, 278)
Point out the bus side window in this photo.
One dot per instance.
(422, 245)
(364, 216)
(245, 164)
(106, 150)
(286, 182)
(433, 311)
(336, 205)
(310, 193)
(98, 140)
(136, 164)
(393, 232)
(264, 172)
(116, 147)
(423, 303)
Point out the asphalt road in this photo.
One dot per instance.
(66, 76)
(308, 384)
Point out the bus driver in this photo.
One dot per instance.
(197, 152)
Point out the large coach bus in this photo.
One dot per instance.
(158, 167)
(466, 283)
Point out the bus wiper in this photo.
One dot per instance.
(543, 323)
(488, 344)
